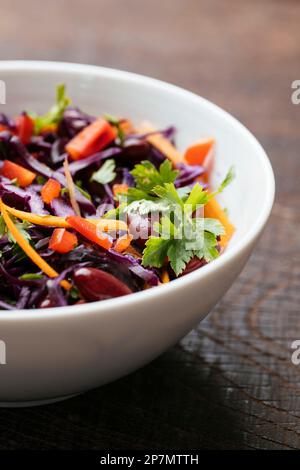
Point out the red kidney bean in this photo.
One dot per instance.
(95, 284)
(46, 303)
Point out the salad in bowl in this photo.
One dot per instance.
(96, 207)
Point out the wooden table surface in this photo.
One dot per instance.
(229, 384)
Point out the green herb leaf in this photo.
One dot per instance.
(180, 235)
(30, 276)
(169, 193)
(105, 174)
(208, 250)
(214, 226)
(54, 115)
(196, 198)
(21, 226)
(155, 252)
(179, 256)
(146, 206)
(226, 181)
(147, 176)
(41, 179)
(134, 194)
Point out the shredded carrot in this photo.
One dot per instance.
(48, 128)
(123, 243)
(213, 210)
(71, 188)
(120, 189)
(132, 251)
(162, 144)
(127, 127)
(196, 153)
(45, 220)
(53, 221)
(27, 248)
(165, 276)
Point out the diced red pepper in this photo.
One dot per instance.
(25, 126)
(13, 171)
(62, 241)
(50, 190)
(91, 139)
(89, 231)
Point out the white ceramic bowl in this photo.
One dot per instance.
(54, 353)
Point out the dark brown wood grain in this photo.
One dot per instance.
(230, 383)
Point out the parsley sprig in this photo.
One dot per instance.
(179, 235)
(55, 113)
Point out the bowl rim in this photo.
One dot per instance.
(264, 210)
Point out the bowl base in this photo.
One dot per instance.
(24, 404)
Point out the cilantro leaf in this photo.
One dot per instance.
(214, 226)
(21, 226)
(179, 256)
(134, 194)
(146, 206)
(165, 228)
(105, 174)
(147, 176)
(55, 113)
(155, 252)
(208, 250)
(180, 236)
(169, 193)
(226, 181)
(196, 198)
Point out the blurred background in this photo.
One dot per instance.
(230, 383)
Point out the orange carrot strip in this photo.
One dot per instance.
(213, 210)
(50, 190)
(123, 243)
(127, 127)
(49, 128)
(52, 221)
(91, 139)
(165, 276)
(162, 144)
(120, 188)
(27, 248)
(12, 170)
(89, 231)
(45, 220)
(196, 154)
(132, 251)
